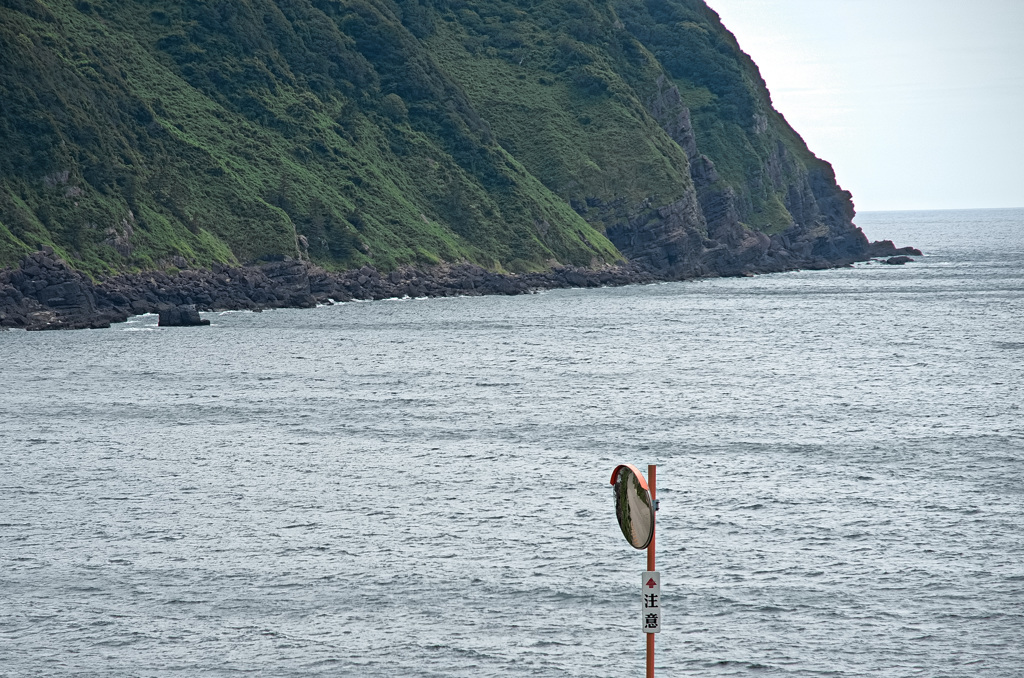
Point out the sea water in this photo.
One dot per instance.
(420, 487)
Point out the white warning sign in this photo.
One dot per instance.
(651, 610)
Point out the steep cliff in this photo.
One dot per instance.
(516, 136)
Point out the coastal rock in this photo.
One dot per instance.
(181, 316)
(44, 293)
(886, 248)
(897, 261)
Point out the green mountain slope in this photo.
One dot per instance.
(513, 135)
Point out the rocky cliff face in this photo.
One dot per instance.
(701, 233)
(514, 137)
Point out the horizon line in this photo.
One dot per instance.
(937, 209)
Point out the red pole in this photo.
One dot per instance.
(652, 479)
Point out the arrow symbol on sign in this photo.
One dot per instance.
(650, 583)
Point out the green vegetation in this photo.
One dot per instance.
(137, 134)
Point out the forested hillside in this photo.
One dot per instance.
(142, 135)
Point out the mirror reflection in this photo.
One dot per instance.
(634, 509)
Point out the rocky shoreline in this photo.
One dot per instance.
(45, 293)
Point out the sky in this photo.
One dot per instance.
(918, 104)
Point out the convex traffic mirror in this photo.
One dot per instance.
(633, 506)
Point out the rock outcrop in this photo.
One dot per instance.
(45, 293)
(886, 248)
(181, 316)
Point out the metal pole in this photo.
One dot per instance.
(652, 479)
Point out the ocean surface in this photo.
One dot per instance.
(420, 487)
